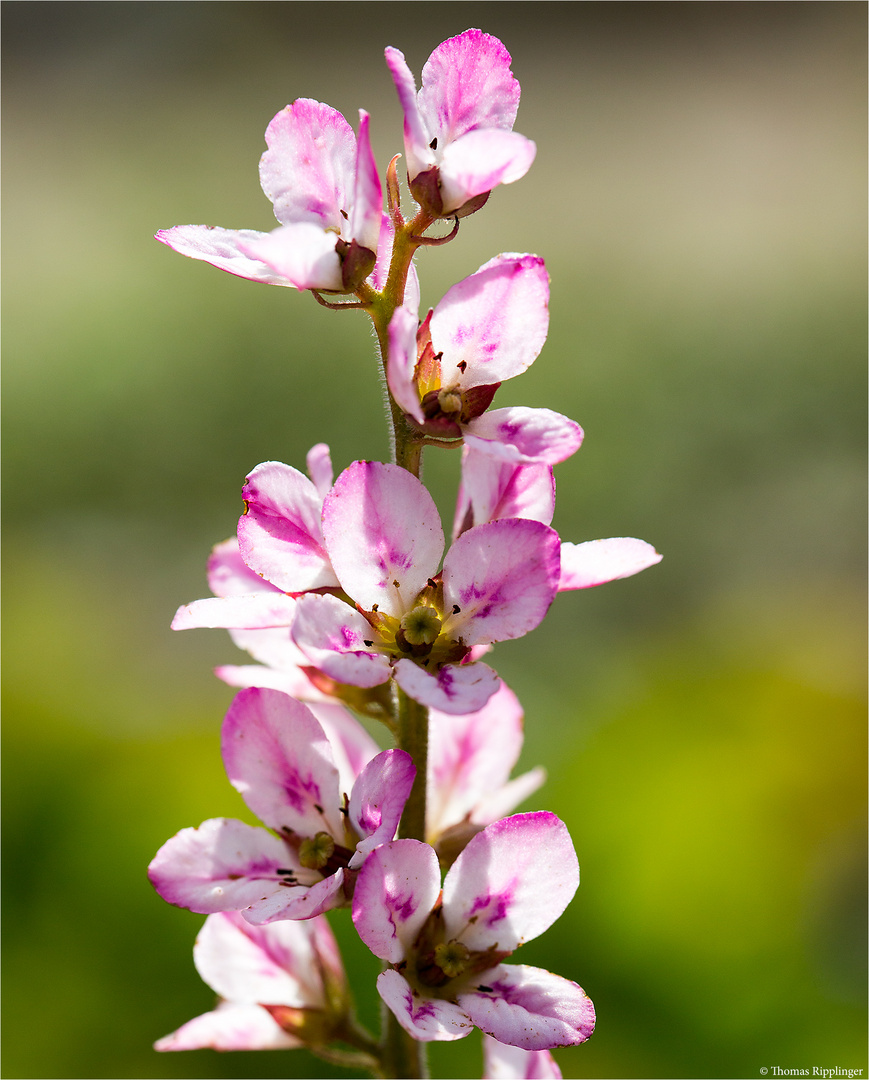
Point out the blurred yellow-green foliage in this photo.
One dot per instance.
(698, 197)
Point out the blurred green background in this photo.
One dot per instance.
(698, 197)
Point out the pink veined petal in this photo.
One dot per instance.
(502, 576)
(230, 1027)
(516, 876)
(224, 865)
(275, 965)
(522, 435)
(492, 325)
(378, 799)
(352, 746)
(278, 757)
(279, 534)
(299, 903)
(367, 209)
(454, 689)
(248, 611)
(402, 362)
(530, 1008)
(396, 890)
(470, 757)
(420, 156)
(467, 83)
(229, 574)
(479, 161)
(383, 534)
(300, 252)
(319, 464)
(597, 561)
(427, 1019)
(332, 635)
(502, 1062)
(309, 167)
(492, 489)
(505, 800)
(290, 681)
(222, 248)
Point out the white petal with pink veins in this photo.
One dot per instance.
(530, 1008)
(395, 891)
(332, 635)
(223, 249)
(523, 435)
(426, 1019)
(302, 903)
(301, 253)
(224, 865)
(383, 534)
(278, 757)
(492, 325)
(352, 746)
(492, 489)
(502, 1062)
(249, 611)
(229, 574)
(479, 161)
(308, 169)
(367, 211)
(501, 576)
(230, 1027)
(378, 799)
(597, 561)
(455, 688)
(513, 880)
(279, 534)
(419, 154)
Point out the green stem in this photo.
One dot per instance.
(402, 1057)
(413, 737)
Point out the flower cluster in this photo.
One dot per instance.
(343, 593)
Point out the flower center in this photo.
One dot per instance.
(316, 851)
(422, 626)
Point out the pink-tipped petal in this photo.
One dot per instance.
(395, 892)
(248, 611)
(224, 865)
(278, 757)
(368, 195)
(597, 561)
(319, 463)
(402, 362)
(378, 799)
(223, 249)
(522, 435)
(454, 689)
(279, 534)
(332, 636)
(492, 325)
(416, 138)
(426, 1019)
(470, 757)
(492, 489)
(516, 876)
(531, 1008)
(502, 1062)
(300, 252)
(230, 1027)
(501, 576)
(479, 161)
(309, 167)
(383, 534)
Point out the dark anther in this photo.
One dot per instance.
(344, 215)
(368, 643)
(374, 607)
(318, 808)
(462, 364)
(456, 609)
(397, 584)
(485, 989)
(431, 582)
(433, 145)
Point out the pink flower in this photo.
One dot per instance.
(280, 759)
(383, 537)
(281, 986)
(446, 948)
(469, 762)
(501, 1062)
(327, 196)
(492, 489)
(458, 130)
(489, 327)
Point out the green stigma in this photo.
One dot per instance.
(450, 401)
(421, 626)
(316, 851)
(452, 957)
